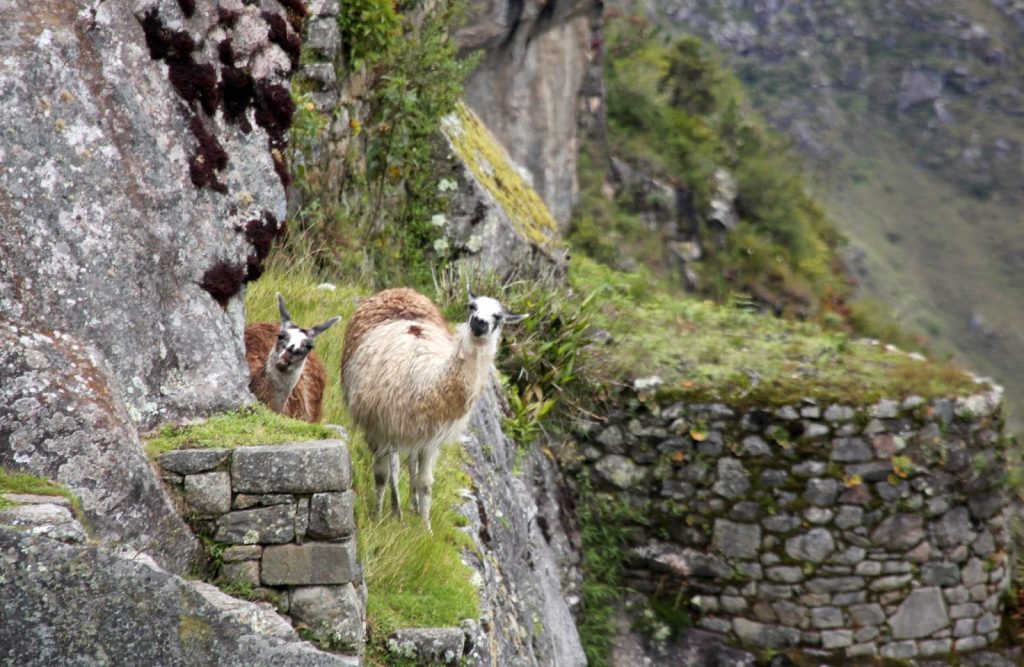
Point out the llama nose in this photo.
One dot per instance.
(478, 326)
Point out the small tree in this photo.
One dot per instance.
(691, 77)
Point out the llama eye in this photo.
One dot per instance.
(497, 318)
(472, 307)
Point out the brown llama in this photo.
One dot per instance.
(284, 372)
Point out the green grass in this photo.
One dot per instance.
(23, 482)
(254, 425)
(729, 353)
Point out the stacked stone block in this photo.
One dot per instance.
(285, 515)
(861, 531)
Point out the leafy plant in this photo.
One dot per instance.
(372, 218)
(542, 355)
(370, 29)
(902, 466)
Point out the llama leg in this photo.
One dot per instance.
(424, 482)
(414, 466)
(381, 477)
(395, 464)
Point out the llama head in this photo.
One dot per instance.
(293, 342)
(486, 317)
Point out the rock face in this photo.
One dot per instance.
(521, 524)
(497, 222)
(138, 188)
(134, 613)
(60, 419)
(527, 85)
(141, 186)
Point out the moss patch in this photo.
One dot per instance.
(492, 167)
(254, 425)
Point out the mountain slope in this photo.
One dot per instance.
(912, 116)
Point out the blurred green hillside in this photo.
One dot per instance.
(910, 116)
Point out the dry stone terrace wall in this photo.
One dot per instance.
(875, 531)
(283, 516)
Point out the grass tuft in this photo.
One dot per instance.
(254, 425)
(23, 482)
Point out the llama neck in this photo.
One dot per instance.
(469, 365)
(280, 383)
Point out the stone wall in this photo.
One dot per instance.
(284, 517)
(862, 531)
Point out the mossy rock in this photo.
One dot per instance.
(496, 216)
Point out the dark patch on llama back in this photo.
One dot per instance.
(416, 330)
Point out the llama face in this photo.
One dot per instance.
(293, 345)
(487, 315)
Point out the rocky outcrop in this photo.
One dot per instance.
(521, 519)
(61, 419)
(140, 187)
(496, 221)
(527, 85)
(68, 604)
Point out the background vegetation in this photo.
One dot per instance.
(930, 194)
(676, 114)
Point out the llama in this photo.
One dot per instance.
(284, 372)
(410, 383)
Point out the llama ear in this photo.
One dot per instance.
(285, 317)
(469, 293)
(515, 318)
(324, 326)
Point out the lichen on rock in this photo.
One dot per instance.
(496, 216)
